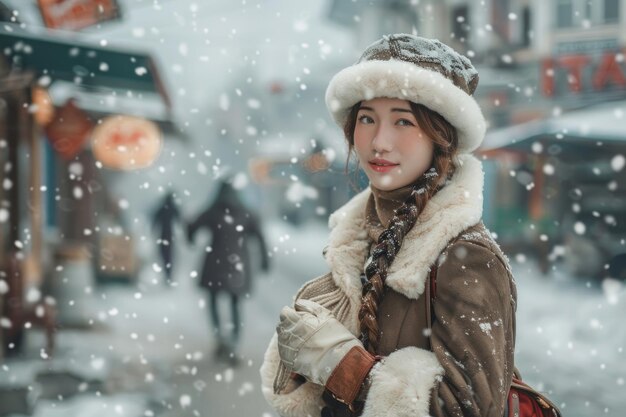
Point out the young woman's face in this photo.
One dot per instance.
(391, 147)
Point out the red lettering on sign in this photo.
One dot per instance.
(609, 69)
(547, 76)
(574, 64)
(119, 139)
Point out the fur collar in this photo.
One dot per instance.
(453, 209)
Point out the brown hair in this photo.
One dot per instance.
(445, 139)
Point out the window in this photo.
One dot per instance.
(611, 11)
(571, 13)
(564, 13)
(588, 10)
(460, 23)
(527, 31)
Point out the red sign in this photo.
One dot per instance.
(608, 70)
(126, 142)
(77, 14)
(68, 130)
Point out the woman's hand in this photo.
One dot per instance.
(311, 342)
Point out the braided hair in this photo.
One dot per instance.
(445, 139)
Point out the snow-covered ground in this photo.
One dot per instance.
(155, 346)
(570, 340)
(152, 344)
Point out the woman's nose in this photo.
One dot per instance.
(383, 141)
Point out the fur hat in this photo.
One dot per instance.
(424, 71)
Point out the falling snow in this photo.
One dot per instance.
(246, 81)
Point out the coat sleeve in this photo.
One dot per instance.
(400, 385)
(205, 219)
(254, 229)
(304, 399)
(298, 399)
(473, 332)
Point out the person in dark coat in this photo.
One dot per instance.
(226, 267)
(164, 218)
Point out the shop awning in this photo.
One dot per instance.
(85, 65)
(584, 133)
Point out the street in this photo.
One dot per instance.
(152, 350)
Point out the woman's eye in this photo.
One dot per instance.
(405, 122)
(366, 119)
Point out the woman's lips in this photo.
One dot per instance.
(382, 166)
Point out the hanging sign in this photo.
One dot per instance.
(126, 142)
(77, 14)
(68, 130)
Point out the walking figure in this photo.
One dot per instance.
(226, 267)
(164, 218)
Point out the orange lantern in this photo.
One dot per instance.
(126, 142)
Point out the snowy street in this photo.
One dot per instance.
(156, 351)
(139, 134)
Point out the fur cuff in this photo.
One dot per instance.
(401, 384)
(296, 401)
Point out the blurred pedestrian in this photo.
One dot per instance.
(164, 218)
(226, 267)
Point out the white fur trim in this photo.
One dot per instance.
(453, 209)
(303, 401)
(402, 383)
(347, 246)
(407, 81)
(406, 377)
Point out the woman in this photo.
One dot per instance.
(358, 341)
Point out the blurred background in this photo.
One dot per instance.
(120, 121)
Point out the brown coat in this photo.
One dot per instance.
(469, 368)
(473, 319)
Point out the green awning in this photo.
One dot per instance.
(579, 135)
(85, 65)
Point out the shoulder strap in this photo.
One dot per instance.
(431, 290)
(433, 282)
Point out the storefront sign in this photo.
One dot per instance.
(579, 68)
(68, 130)
(126, 142)
(77, 14)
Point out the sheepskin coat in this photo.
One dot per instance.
(467, 369)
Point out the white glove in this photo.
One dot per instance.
(311, 342)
